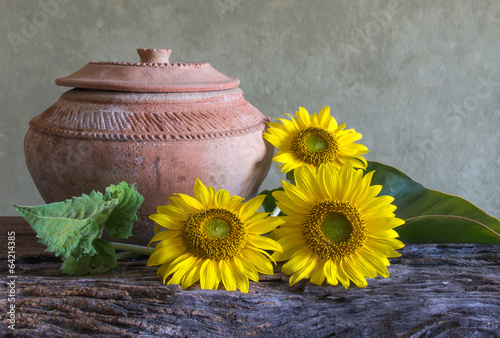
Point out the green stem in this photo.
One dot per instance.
(275, 212)
(131, 250)
(125, 254)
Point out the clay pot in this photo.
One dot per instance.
(158, 124)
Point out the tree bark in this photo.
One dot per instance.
(433, 290)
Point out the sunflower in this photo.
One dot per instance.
(213, 236)
(314, 139)
(335, 226)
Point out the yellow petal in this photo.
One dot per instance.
(181, 269)
(165, 235)
(264, 226)
(241, 279)
(306, 181)
(330, 271)
(235, 202)
(249, 208)
(182, 262)
(297, 261)
(190, 202)
(201, 193)
(222, 198)
(261, 263)
(317, 274)
(264, 243)
(353, 274)
(227, 275)
(246, 268)
(324, 118)
(303, 118)
(209, 275)
(341, 275)
(193, 275)
(166, 221)
(305, 271)
(163, 255)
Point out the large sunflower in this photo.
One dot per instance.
(213, 236)
(314, 139)
(335, 226)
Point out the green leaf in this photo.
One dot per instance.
(124, 215)
(68, 228)
(269, 203)
(432, 216)
(103, 261)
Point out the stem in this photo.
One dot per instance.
(275, 212)
(131, 250)
(124, 255)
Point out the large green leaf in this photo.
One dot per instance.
(124, 215)
(69, 227)
(103, 261)
(432, 216)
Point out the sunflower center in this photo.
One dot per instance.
(217, 227)
(315, 146)
(334, 229)
(214, 234)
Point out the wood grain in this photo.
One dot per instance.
(433, 290)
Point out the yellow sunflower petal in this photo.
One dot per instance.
(305, 271)
(265, 225)
(264, 243)
(227, 275)
(187, 203)
(317, 274)
(324, 118)
(330, 271)
(306, 182)
(250, 207)
(259, 260)
(297, 261)
(193, 275)
(182, 263)
(166, 221)
(201, 193)
(180, 269)
(341, 275)
(352, 273)
(241, 280)
(210, 275)
(162, 255)
(247, 268)
(235, 202)
(165, 235)
(303, 118)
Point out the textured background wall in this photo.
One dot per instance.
(419, 79)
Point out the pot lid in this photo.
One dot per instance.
(154, 73)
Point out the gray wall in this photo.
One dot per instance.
(419, 79)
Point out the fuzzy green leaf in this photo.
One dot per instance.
(124, 215)
(432, 216)
(68, 228)
(103, 261)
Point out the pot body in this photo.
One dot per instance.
(163, 142)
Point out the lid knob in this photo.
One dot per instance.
(154, 55)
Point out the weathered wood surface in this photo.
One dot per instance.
(433, 290)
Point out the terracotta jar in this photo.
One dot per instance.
(155, 123)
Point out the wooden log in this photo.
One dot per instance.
(433, 290)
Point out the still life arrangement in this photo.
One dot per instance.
(140, 158)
